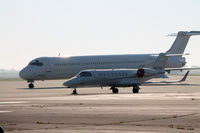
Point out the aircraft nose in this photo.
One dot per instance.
(69, 83)
(23, 74)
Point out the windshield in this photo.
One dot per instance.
(85, 74)
(36, 63)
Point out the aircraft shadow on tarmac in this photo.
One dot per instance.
(70, 94)
(141, 85)
(105, 93)
(172, 85)
(94, 94)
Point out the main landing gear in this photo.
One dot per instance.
(30, 85)
(136, 89)
(74, 92)
(114, 90)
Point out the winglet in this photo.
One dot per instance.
(185, 76)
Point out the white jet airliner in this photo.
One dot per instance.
(45, 68)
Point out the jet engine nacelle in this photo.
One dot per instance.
(174, 62)
(141, 72)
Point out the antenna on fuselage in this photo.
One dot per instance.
(59, 55)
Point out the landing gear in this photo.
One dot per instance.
(31, 85)
(136, 89)
(114, 90)
(74, 92)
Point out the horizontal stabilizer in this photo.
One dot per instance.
(181, 69)
(185, 33)
(166, 54)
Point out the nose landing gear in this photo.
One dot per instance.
(30, 85)
(74, 92)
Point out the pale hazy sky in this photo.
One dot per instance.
(35, 28)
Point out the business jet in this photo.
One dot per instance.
(116, 78)
(46, 68)
(122, 77)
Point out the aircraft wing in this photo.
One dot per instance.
(130, 82)
(173, 84)
(164, 82)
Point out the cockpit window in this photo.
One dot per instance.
(36, 63)
(85, 74)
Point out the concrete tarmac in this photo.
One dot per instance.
(50, 108)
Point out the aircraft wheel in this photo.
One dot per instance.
(31, 85)
(74, 92)
(115, 90)
(136, 89)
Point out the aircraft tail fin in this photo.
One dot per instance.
(181, 41)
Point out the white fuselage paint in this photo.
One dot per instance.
(67, 67)
(109, 77)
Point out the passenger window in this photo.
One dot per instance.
(116, 74)
(108, 74)
(112, 74)
(100, 74)
(119, 74)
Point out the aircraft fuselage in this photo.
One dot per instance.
(45, 68)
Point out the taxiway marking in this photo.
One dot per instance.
(5, 111)
(13, 102)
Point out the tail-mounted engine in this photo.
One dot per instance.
(140, 72)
